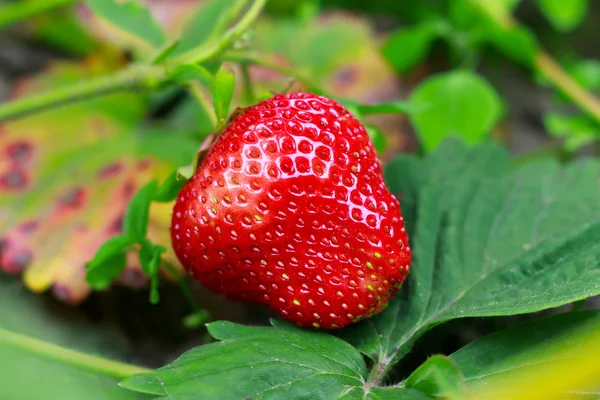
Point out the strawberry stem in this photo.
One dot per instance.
(133, 78)
(136, 77)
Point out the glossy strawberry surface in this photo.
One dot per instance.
(289, 209)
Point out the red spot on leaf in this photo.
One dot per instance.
(72, 199)
(144, 164)
(13, 180)
(14, 262)
(128, 189)
(110, 170)
(20, 151)
(29, 227)
(346, 76)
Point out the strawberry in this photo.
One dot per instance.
(289, 209)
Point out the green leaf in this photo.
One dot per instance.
(86, 161)
(564, 15)
(31, 330)
(169, 190)
(132, 17)
(196, 319)
(109, 262)
(438, 377)
(457, 103)
(587, 73)
(150, 260)
(517, 42)
(487, 240)
(407, 47)
(577, 130)
(208, 23)
(135, 223)
(188, 72)
(222, 92)
(259, 363)
(556, 342)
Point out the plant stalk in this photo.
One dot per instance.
(226, 40)
(196, 91)
(544, 63)
(101, 365)
(567, 85)
(13, 13)
(133, 78)
(267, 61)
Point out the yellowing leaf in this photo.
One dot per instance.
(66, 178)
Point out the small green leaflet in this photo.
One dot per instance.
(135, 223)
(132, 17)
(409, 46)
(487, 240)
(150, 261)
(438, 377)
(187, 72)
(564, 15)
(108, 262)
(222, 93)
(457, 103)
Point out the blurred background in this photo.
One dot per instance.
(67, 175)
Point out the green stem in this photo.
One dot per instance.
(226, 40)
(142, 77)
(249, 94)
(101, 365)
(543, 63)
(133, 78)
(13, 13)
(196, 91)
(268, 61)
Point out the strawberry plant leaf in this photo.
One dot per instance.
(457, 103)
(517, 42)
(587, 73)
(438, 377)
(557, 342)
(30, 330)
(339, 54)
(485, 238)
(169, 189)
(222, 93)
(109, 262)
(577, 130)
(150, 260)
(135, 223)
(132, 17)
(564, 15)
(409, 46)
(187, 72)
(69, 178)
(264, 362)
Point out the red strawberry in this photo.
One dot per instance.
(289, 209)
